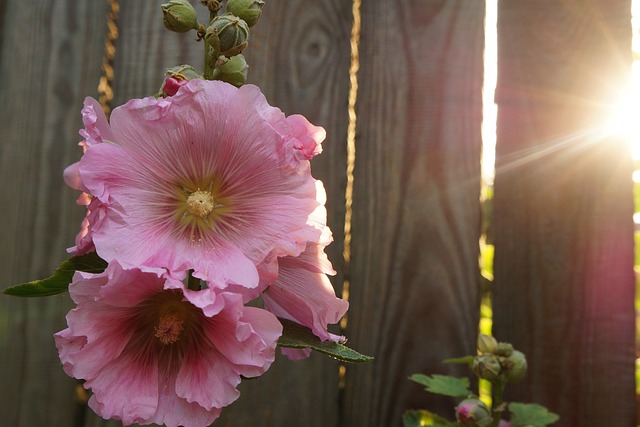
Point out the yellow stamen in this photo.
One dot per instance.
(200, 203)
(169, 328)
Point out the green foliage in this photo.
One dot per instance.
(421, 417)
(443, 384)
(531, 415)
(59, 281)
(495, 364)
(295, 335)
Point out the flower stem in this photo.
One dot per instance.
(193, 283)
(497, 390)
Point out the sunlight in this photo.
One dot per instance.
(624, 119)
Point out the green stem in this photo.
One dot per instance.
(193, 283)
(497, 390)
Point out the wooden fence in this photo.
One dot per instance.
(564, 283)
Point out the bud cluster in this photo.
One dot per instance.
(225, 36)
(498, 361)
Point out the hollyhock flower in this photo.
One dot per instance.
(211, 179)
(96, 131)
(303, 293)
(154, 352)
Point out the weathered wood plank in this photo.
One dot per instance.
(50, 60)
(414, 285)
(564, 285)
(299, 56)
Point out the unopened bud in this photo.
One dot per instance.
(233, 71)
(473, 412)
(487, 344)
(487, 367)
(179, 16)
(177, 77)
(228, 35)
(515, 366)
(248, 10)
(504, 349)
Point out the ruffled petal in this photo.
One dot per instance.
(303, 293)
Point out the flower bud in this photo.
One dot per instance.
(179, 16)
(233, 71)
(177, 77)
(248, 10)
(515, 366)
(227, 34)
(487, 343)
(504, 349)
(487, 367)
(473, 412)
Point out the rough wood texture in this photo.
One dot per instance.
(414, 284)
(299, 57)
(564, 284)
(50, 60)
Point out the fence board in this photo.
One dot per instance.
(49, 61)
(300, 59)
(564, 284)
(414, 285)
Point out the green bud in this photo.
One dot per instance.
(487, 344)
(515, 366)
(179, 16)
(228, 35)
(233, 71)
(473, 412)
(504, 349)
(248, 10)
(487, 367)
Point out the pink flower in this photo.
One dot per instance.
(96, 131)
(211, 179)
(153, 352)
(303, 293)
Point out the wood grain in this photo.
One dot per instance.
(414, 284)
(299, 56)
(564, 283)
(50, 60)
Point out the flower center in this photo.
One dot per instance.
(169, 328)
(200, 203)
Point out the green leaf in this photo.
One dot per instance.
(443, 384)
(421, 417)
(59, 281)
(531, 414)
(295, 335)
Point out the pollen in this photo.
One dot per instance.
(169, 328)
(200, 203)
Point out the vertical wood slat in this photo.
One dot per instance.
(414, 285)
(49, 61)
(299, 56)
(564, 285)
